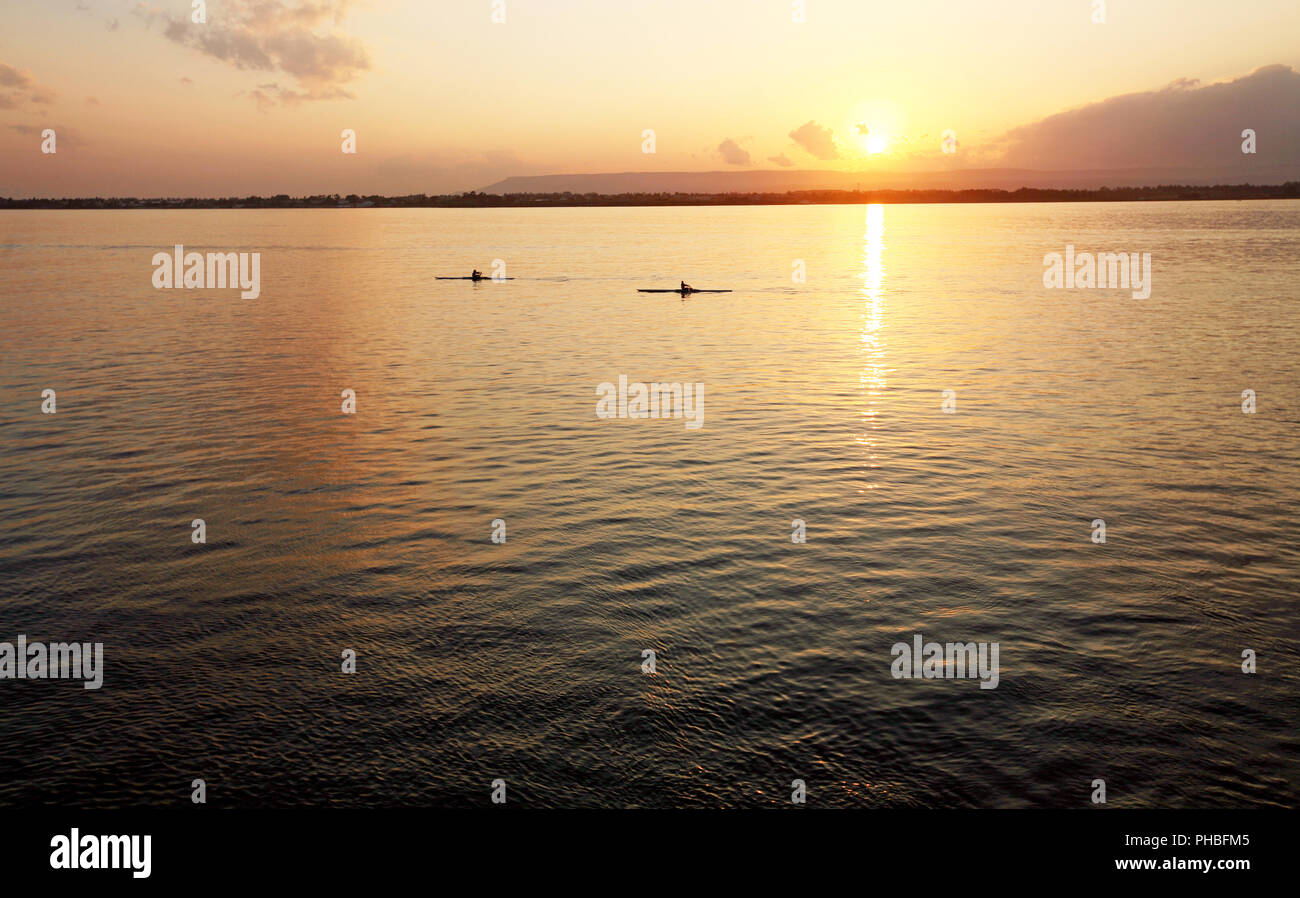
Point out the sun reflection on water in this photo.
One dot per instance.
(873, 373)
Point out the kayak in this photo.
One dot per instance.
(487, 278)
(692, 290)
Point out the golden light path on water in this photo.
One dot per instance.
(873, 344)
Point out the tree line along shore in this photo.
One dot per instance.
(474, 199)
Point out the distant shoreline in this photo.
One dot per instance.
(475, 200)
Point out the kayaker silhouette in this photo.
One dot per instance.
(476, 276)
(686, 288)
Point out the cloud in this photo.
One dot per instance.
(269, 95)
(733, 153)
(816, 140)
(1184, 124)
(12, 77)
(783, 160)
(299, 40)
(21, 84)
(66, 137)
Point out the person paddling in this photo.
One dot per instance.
(687, 288)
(476, 276)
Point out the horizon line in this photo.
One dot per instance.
(811, 196)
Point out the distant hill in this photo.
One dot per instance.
(781, 181)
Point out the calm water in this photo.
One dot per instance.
(822, 402)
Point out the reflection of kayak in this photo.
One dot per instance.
(692, 290)
(488, 278)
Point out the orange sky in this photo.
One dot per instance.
(147, 102)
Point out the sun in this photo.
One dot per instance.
(876, 144)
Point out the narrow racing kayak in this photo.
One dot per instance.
(692, 290)
(487, 278)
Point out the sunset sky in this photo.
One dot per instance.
(144, 102)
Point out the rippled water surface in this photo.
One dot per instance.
(522, 661)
